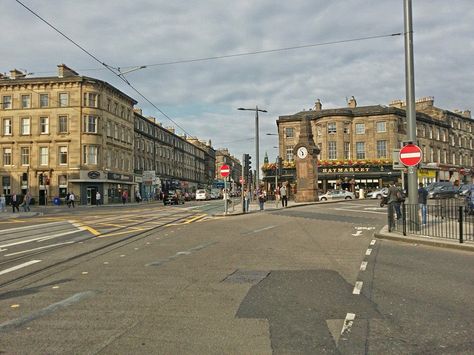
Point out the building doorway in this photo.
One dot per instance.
(91, 192)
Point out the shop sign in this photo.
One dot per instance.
(339, 170)
(138, 179)
(424, 173)
(120, 177)
(148, 176)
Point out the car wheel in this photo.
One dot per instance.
(324, 199)
(348, 198)
(379, 197)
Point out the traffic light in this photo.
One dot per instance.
(247, 164)
(40, 179)
(280, 166)
(24, 177)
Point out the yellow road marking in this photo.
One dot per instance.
(87, 228)
(195, 218)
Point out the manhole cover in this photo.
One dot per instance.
(246, 276)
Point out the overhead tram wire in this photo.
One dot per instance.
(115, 71)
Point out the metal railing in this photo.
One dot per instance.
(443, 218)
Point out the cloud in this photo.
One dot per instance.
(203, 96)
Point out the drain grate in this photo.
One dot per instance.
(246, 276)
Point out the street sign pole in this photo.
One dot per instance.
(410, 98)
(225, 195)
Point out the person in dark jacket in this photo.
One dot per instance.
(422, 202)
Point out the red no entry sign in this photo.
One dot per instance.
(225, 170)
(410, 155)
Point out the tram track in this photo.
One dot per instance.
(105, 248)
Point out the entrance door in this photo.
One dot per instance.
(42, 198)
(91, 191)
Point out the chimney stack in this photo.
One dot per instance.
(352, 102)
(65, 72)
(317, 105)
(16, 74)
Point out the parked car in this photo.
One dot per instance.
(337, 195)
(464, 189)
(202, 194)
(173, 197)
(378, 194)
(443, 191)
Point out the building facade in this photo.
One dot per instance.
(357, 143)
(164, 160)
(223, 157)
(68, 133)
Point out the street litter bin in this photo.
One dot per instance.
(56, 201)
(361, 194)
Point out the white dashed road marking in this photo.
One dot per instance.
(357, 288)
(346, 328)
(19, 266)
(368, 252)
(363, 266)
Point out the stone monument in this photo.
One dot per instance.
(306, 159)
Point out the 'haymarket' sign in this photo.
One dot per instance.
(339, 170)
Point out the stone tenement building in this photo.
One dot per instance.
(357, 143)
(72, 133)
(223, 157)
(65, 133)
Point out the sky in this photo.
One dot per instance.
(202, 97)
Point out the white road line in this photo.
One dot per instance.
(262, 229)
(346, 328)
(45, 247)
(359, 211)
(373, 241)
(40, 239)
(357, 288)
(36, 226)
(363, 266)
(357, 234)
(368, 252)
(19, 266)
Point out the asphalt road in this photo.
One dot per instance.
(305, 280)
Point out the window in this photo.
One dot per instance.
(44, 125)
(347, 128)
(62, 156)
(438, 155)
(347, 150)
(360, 128)
(43, 156)
(109, 129)
(430, 133)
(7, 102)
(116, 131)
(332, 128)
(25, 155)
(360, 150)
(318, 130)
(90, 124)
(289, 152)
(25, 126)
(62, 124)
(381, 126)
(90, 154)
(332, 150)
(289, 132)
(63, 99)
(44, 100)
(381, 149)
(7, 156)
(25, 101)
(91, 100)
(7, 126)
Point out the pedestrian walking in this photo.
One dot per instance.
(284, 196)
(15, 202)
(124, 196)
(26, 202)
(393, 205)
(97, 199)
(261, 199)
(422, 202)
(71, 200)
(3, 203)
(277, 196)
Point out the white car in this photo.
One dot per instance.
(378, 194)
(337, 195)
(202, 195)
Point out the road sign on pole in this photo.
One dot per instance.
(225, 170)
(410, 155)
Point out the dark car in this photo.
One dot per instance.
(173, 197)
(443, 191)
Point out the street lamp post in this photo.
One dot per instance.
(257, 110)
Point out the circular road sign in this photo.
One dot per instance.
(410, 155)
(225, 170)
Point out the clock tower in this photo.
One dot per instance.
(306, 159)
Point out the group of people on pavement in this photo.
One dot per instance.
(396, 197)
(16, 201)
(281, 194)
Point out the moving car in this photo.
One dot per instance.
(465, 189)
(443, 191)
(378, 194)
(173, 197)
(202, 194)
(337, 195)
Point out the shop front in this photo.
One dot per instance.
(118, 184)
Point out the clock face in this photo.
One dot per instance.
(302, 152)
